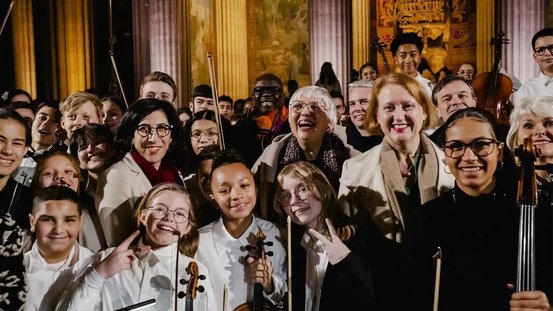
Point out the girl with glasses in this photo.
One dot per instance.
(475, 225)
(150, 138)
(330, 256)
(142, 267)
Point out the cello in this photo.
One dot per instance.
(527, 200)
(493, 89)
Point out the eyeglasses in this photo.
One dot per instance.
(211, 135)
(301, 192)
(159, 211)
(541, 50)
(480, 147)
(145, 130)
(297, 106)
(260, 90)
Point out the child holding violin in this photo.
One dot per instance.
(226, 243)
(475, 227)
(149, 265)
(331, 258)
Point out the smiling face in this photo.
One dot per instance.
(473, 174)
(400, 117)
(310, 123)
(58, 170)
(94, 155)
(369, 73)
(79, 117)
(545, 62)
(57, 225)
(267, 95)
(203, 133)
(44, 127)
(408, 58)
(12, 146)
(159, 231)
(303, 208)
(152, 147)
(233, 189)
(112, 115)
(358, 102)
(540, 129)
(454, 96)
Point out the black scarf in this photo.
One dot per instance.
(329, 160)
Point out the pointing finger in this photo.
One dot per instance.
(127, 242)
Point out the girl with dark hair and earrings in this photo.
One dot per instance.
(476, 228)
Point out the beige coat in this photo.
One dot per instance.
(364, 192)
(117, 191)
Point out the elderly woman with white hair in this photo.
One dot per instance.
(312, 118)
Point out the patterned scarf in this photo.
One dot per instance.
(329, 160)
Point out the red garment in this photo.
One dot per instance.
(167, 170)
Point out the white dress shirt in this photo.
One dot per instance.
(426, 84)
(224, 257)
(316, 264)
(151, 277)
(46, 282)
(539, 86)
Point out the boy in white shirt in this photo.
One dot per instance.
(55, 255)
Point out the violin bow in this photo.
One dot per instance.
(111, 53)
(289, 254)
(6, 17)
(438, 258)
(213, 81)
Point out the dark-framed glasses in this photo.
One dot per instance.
(162, 130)
(209, 135)
(301, 192)
(541, 50)
(159, 211)
(481, 147)
(297, 106)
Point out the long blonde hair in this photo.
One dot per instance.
(188, 243)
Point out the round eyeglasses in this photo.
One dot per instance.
(209, 135)
(285, 197)
(480, 147)
(159, 211)
(162, 130)
(297, 106)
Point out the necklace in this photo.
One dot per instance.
(407, 173)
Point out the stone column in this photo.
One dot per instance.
(24, 46)
(361, 36)
(485, 10)
(231, 59)
(330, 38)
(520, 21)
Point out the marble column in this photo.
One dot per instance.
(231, 59)
(520, 21)
(361, 36)
(160, 25)
(24, 46)
(330, 38)
(485, 17)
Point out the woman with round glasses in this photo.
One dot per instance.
(312, 118)
(143, 266)
(149, 136)
(474, 225)
(330, 257)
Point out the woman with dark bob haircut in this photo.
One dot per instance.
(149, 135)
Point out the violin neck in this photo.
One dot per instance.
(257, 304)
(189, 304)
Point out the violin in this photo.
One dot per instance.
(527, 200)
(258, 250)
(493, 89)
(192, 288)
(379, 46)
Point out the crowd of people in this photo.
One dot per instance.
(323, 199)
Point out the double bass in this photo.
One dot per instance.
(493, 89)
